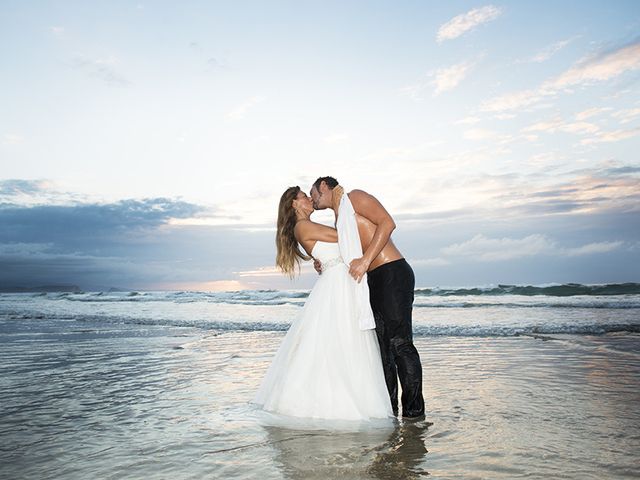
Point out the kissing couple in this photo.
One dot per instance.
(342, 356)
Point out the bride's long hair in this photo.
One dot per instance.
(288, 254)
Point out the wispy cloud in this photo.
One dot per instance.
(593, 248)
(549, 191)
(612, 136)
(240, 111)
(547, 52)
(469, 120)
(441, 80)
(266, 271)
(12, 139)
(448, 78)
(486, 134)
(466, 22)
(17, 186)
(512, 101)
(599, 67)
(626, 116)
(556, 124)
(592, 69)
(102, 68)
(57, 31)
(336, 138)
(35, 192)
(591, 112)
(429, 262)
(212, 62)
(486, 249)
(490, 249)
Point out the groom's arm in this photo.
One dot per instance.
(369, 207)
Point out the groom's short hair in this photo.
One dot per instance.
(330, 181)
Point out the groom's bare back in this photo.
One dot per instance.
(370, 214)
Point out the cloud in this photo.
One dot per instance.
(413, 91)
(626, 116)
(14, 187)
(504, 116)
(605, 189)
(336, 138)
(102, 68)
(264, 272)
(467, 21)
(480, 134)
(595, 68)
(621, 171)
(57, 31)
(20, 192)
(22, 248)
(543, 185)
(239, 112)
(129, 243)
(430, 262)
(599, 67)
(591, 112)
(12, 139)
(547, 52)
(443, 79)
(612, 136)
(470, 120)
(100, 222)
(487, 249)
(213, 63)
(448, 78)
(512, 101)
(593, 248)
(556, 124)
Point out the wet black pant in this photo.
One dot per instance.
(391, 291)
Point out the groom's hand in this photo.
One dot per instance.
(357, 268)
(317, 264)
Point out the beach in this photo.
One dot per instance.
(129, 389)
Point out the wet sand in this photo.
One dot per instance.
(89, 400)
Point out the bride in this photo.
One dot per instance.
(326, 366)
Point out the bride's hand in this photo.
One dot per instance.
(338, 191)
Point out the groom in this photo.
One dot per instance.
(391, 284)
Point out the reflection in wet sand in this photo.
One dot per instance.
(393, 453)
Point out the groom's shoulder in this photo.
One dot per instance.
(356, 192)
(358, 195)
(366, 204)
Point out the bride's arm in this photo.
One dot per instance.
(308, 231)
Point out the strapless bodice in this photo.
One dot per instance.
(328, 254)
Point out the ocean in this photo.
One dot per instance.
(519, 381)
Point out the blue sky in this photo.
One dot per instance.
(146, 145)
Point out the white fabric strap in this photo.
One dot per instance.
(351, 248)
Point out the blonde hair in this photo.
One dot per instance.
(288, 254)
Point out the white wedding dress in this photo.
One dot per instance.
(326, 367)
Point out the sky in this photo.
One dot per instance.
(145, 145)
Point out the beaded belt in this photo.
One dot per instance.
(331, 263)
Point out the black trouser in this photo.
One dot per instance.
(391, 291)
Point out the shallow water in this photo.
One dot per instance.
(83, 399)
